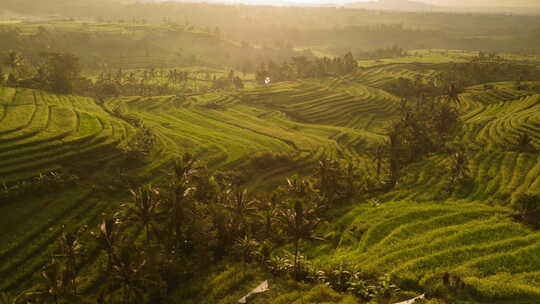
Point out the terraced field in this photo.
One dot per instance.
(380, 75)
(31, 229)
(408, 236)
(417, 233)
(334, 102)
(228, 131)
(420, 232)
(418, 243)
(40, 132)
(493, 121)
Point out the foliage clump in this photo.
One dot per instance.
(304, 67)
(524, 144)
(43, 183)
(528, 209)
(191, 220)
(424, 128)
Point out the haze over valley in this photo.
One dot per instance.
(269, 152)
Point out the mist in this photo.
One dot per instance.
(269, 152)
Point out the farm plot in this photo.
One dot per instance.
(40, 132)
(418, 243)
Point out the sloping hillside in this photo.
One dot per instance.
(40, 132)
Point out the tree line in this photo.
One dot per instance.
(381, 53)
(424, 127)
(122, 45)
(303, 67)
(343, 28)
(55, 72)
(61, 73)
(455, 77)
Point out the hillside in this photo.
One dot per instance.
(236, 130)
(416, 233)
(41, 132)
(110, 44)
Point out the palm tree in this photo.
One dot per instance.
(14, 60)
(297, 187)
(242, 207)
(53, 286)
(459, 169)
(524, 143)
(299, 223)
(145, 208)
(268, 213)
(379, 154)
(246, 247)
(130, 276)
(459, 165)
(447, 121)
(326, 173)
(452, 93)
(350, 180)
(185, 168)
(70, 250)
(177, 205)
(107, 238)
(394, 146)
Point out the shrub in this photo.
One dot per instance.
(285, 266)
(269, 160)
(140, 145)
(524, 143)
(43, 183)
(286, 298)
(321, 294)
(528, 208)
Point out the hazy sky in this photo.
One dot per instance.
(487, 3)
(453, 3)
(458, 3)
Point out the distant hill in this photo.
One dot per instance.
(418, 6)
(60, 7)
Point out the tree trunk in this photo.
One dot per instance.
(296, 243)
(378, 167)
(125, 295)
(147, 228)
(73, 266)
(268, 226)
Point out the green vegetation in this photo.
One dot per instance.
(41, 132)
(157, 159)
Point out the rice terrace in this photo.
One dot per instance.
(280, 152)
